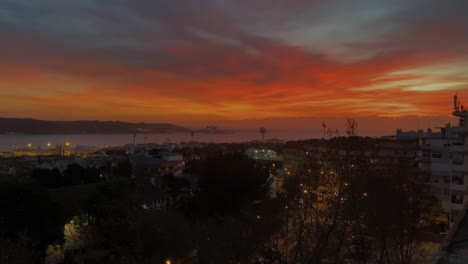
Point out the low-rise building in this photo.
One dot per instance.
(153, 168)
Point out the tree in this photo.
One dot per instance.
(351, 127)
(75, 174)
(229, 181)
(49, 178)
(27, 211)
(18, 251)
(331, 132)
(347, 203)
(130, 233)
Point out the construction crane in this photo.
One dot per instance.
(192, 134)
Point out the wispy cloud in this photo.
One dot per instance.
(211, 60)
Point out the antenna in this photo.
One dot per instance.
(455, 103)
(192, 133)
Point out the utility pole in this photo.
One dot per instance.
(263, 131)
(324, 126)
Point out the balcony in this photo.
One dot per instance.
(423, 159)
(460, 129)
(459, 187)
(459, 147)
(459, 167)
(456, 206)
(460, 164)
(445, 204)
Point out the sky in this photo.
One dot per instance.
(283, 63)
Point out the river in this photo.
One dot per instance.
(10, 142)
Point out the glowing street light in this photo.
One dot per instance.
(67, 144)
(29, 145)
(49, 144)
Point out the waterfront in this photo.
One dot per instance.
(10, 142)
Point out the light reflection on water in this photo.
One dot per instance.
(9, 142)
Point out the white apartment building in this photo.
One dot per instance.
(444, 156)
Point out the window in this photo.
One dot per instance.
(458, 179)
(436, 190)
(426, 154)
(457, 198)
(446, 179)
(436, 155)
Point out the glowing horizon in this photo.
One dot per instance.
(229, 60)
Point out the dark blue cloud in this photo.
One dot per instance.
(141, 34)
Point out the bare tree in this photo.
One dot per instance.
(333, 132)
(348, 204)
(351, 127)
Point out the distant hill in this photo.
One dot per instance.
(33, 126)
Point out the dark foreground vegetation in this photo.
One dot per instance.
(334, 206)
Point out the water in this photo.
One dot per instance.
(10, 142)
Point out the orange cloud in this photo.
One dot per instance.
(203, 72)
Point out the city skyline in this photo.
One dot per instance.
(233, 62)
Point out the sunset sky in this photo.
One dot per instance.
(233, 62)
